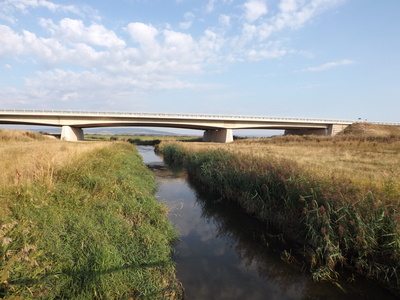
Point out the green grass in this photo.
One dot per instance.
(96, 233)
(339, 224)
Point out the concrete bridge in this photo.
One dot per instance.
(216, 128)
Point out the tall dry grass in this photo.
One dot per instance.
(337, 196)
(27, 157)
(367, 162)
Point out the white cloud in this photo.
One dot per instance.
(224, 20)
(143, 33)
(289, 5)
(254, 9)
(180, 48)
(294, 14)
(211, 41)
(329, 65)
(24, 5)
(49, 50)
(74, 31)
(6, 14)
(158, 49)
(152, 57)
(92, 87)
(210, 6)
(268, 50)
(189, 17)
(10, 42)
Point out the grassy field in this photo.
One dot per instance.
(80, 221)
(336, 198)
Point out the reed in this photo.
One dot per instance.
(341, 203)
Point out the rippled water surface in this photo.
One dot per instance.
(224, 254)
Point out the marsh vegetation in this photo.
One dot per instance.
(336, 199)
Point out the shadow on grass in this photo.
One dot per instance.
(87, 273)
(87, 279)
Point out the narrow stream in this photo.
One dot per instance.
(224, 254)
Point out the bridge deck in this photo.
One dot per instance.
(217, 127)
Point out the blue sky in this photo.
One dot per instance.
(335, 59)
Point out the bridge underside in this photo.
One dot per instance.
(329, 130)
(221, 135)
(73, 134)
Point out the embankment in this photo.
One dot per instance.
(333, 222)
(89, 230)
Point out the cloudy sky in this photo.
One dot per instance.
(290, 58)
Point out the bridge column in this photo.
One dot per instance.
(218, 135)
(207, 136)
(73, 134)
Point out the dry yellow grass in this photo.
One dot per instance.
(366, 162)
(26, 157)
(376, 130)
(23, 162)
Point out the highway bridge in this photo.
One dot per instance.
(216, 128)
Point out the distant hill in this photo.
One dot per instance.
(127, 131)
(110, 131)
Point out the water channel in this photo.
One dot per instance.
(224, 254)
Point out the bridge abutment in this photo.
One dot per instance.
(331, 130)
(218, 135)
(72, 134)
(335, 129)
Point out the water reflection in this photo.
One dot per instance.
(223, 253)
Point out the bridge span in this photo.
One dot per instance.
(216, 128)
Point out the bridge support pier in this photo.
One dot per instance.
(72, 134)
(218, 135)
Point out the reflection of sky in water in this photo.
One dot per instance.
(216, 261)
(148, 155)
(206, 264)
